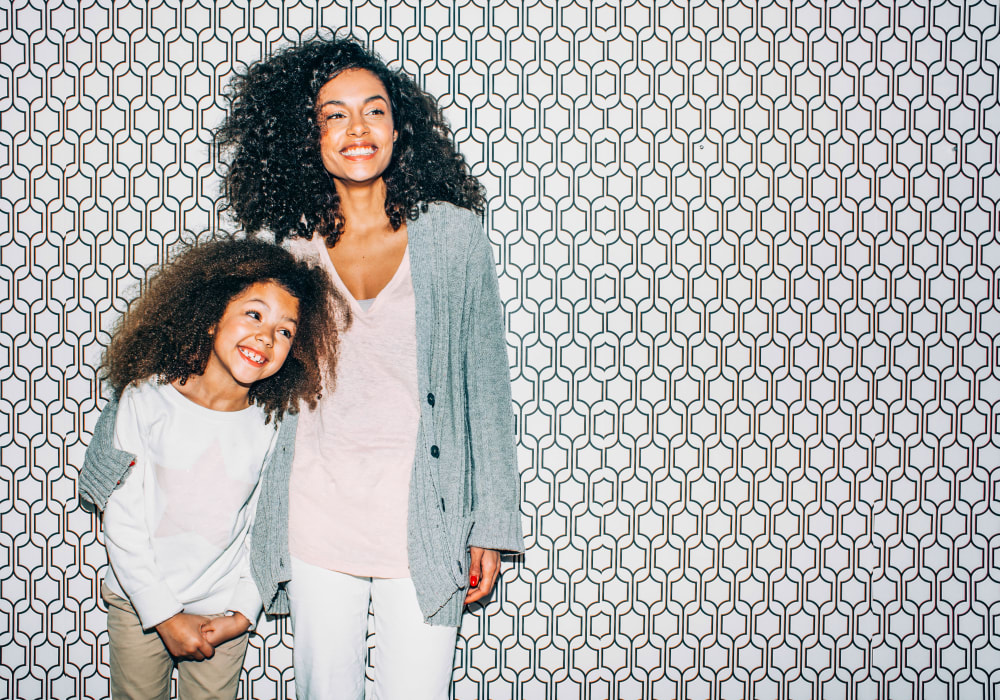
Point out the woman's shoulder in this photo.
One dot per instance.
(453, 228)
(446, 211)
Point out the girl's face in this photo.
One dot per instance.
(253, 337)
(355, 127)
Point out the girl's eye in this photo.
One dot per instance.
(255, 315)
(287, 333)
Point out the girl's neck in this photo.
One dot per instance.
(203, 391)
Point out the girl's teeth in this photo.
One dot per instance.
(252, 355)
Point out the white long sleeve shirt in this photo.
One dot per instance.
(178, 529)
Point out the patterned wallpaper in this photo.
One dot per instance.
(749, 254)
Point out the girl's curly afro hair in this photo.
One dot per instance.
(166, 332)
(269, 144)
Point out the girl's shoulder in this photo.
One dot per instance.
(142, 391)
(143, 401)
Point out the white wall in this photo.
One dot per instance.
(749, 256)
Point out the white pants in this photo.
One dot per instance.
(412, 659)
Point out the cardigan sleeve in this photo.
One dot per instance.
(494, 474)
(270, 561)
(104, 466)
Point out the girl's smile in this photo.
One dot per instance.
(252, 356)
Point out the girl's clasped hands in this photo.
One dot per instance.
(195, 637)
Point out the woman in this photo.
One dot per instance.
(403, 488)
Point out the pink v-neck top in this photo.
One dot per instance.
(353, 455)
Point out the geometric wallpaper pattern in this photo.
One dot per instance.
(750, 260)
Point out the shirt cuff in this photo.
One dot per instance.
(155, 604)
(246, 600)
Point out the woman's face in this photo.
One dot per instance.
(355, 127)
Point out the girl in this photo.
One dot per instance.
(223, 343)
(404, 488)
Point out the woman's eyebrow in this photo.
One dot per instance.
(367, 100)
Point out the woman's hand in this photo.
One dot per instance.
(183, 638)
(219, 630)
(483, 571)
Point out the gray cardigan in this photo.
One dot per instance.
(464, 488)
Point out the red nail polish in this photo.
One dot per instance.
(473, 580)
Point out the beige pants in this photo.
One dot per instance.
(141, 666)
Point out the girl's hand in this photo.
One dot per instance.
(218, 630)
(483, 571)
(183, 638)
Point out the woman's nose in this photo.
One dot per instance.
(358, 125)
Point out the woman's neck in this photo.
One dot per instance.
(363, 207)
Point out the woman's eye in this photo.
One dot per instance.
(377, 112)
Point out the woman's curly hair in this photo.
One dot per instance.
(167, 331)
(269, 144)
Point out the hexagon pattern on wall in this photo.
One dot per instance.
(749, 255)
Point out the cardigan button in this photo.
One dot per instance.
(430, 399)
(435, 452)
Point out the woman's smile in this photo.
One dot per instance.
(359, 152)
